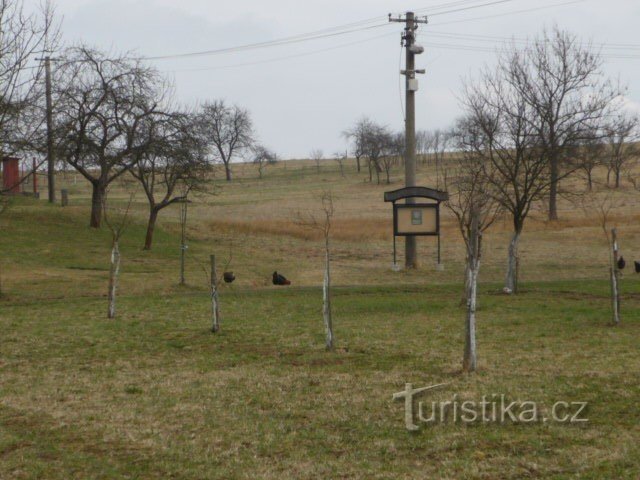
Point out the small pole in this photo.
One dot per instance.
(35, 178)
(394, 251)
(64, 195)
(215, 307)
(615, 278)
(183, 241)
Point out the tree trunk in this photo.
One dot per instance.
(615, 278)
(97, 200)
(358, 164)
(227, 171)
(511, 281)
(151, 225)
(370, 172)
(589, 180)
(553, 191)
(114, 271)
(326, 301)
(470, 361)
(617, 178)
(215, 306)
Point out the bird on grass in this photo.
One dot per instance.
(280, 279)
(621, 263)
(228, 277)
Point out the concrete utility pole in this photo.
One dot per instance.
(412, 49)
(51, 161)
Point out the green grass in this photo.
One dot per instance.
(153, 394)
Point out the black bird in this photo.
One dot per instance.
(279, 279)
(621, 263)
(637, 265)
(228, 277)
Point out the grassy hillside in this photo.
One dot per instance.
(153, 394)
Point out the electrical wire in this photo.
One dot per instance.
(272, 43)
(509, 13)
(278, 59)
(344, 29)
(471, 7)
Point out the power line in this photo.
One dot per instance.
(344, 29)
(462, 9)
(509, 13)
(272, 43)
(277, 59)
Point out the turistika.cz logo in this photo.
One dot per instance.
(490, 409)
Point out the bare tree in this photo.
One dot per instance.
(559, 79)
(475, 208)
(436, 146)
(172, 166)
(357, 136)
(340, 159)
(603, 205)
(376, 146)
(23, 36)
(229, 131)
(102, 118)
(621, 137)
(262, 158)
(588, 155)
(500, 132)
(116, 228)
(316, 155)
(393, 152)
(323, 225)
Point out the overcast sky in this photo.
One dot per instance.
(302, 95)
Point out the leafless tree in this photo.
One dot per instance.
(105, 105)
(603, 205)
(23, 37)
(323, 224)
(172, 166)
(393, 152)
(436, 144)
(357, 136)
(316, 155)
(376, 145)
(117, 228)
(500, 132)
(588, 155)
(474, 205)
(340, 159)
(229, 131)
(621, 137)
(560, 80)
(262, 158)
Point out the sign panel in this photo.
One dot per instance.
(416, 219)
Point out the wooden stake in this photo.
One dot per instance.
(215, 307)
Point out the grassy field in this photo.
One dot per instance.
(153, 394)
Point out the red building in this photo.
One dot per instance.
(11, 175)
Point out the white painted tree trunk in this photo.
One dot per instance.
(511, 280)
(114, 271)
(326, 301)
(470, 360)
(215, 305)
(615, 279)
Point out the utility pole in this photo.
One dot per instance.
(51, 160)
(411, 86)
